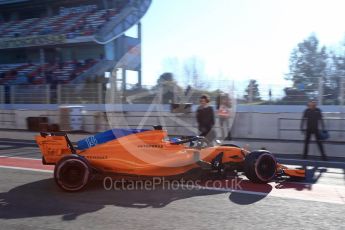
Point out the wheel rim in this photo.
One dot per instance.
(72, 174)
(265, 167)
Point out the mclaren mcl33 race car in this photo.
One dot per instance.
(150, 153)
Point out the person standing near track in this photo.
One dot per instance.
(223, 112)
(205, 118)
(312, 116)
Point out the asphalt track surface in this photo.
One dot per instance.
(29, 199)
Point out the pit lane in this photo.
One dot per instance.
(29, 199)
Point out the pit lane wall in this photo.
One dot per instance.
(258, 122)
(259, 125)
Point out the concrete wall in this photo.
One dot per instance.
(275, 128)
(283, 125)
(292, 147)
(258, 122)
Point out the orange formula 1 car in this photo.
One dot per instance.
(150, 153)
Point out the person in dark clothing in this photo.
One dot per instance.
(205, 118)
(312, 116)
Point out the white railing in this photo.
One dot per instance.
(98, 93)
(80, 94)
(30, 94)
(102, 93)
(53, 94)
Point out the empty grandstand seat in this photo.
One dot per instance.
(87, 22)
(24, 73)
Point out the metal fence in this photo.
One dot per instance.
(80, 94)
(52, 94)
(98, 93)
(32, 94)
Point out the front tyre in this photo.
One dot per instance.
(260, 166)
(72, 173)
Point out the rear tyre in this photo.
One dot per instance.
(260, 166)
(72, 173)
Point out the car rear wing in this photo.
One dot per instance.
(54, 145)
(69, 143)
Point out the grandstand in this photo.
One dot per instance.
(62, 42)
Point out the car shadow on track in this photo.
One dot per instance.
(245, 199)
(250, 193)
(43, 198)
(312, 177)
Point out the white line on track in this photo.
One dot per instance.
(27, 169)
(220, 189)
(336, 196)
(18, 142)
(23, 158)
(311, 161)
(323, 193)
(225, 190)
